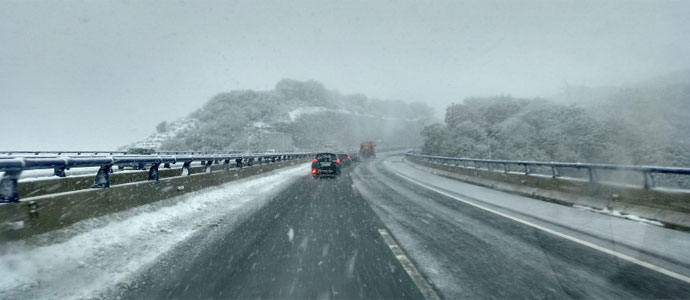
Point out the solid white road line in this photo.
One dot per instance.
(417, 277)
(556, 233)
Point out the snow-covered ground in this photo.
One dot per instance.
(92, 256)
(616, 213)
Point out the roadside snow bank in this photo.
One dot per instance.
(616, 213)
(93, 258)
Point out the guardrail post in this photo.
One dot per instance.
(226, 164)
(185, 168)
(592, 175)
(59, 172)
(208, 166)
(141, 166)
(649, 182)
(554, 172)
(166, 165)
(506, 168)
(238, 162)
(528, 170)
(476, 166)
(8, 186)
(102, 177)
(488, 166)
(250, 162)
(259, 160)
(153, 171)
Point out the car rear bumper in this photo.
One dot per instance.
(327, 172)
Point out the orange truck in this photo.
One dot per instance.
(367, 150)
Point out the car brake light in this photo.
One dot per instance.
(348, 157)
(313, 161)
(313, 171)
(337, 161)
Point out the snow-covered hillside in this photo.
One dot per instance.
(294, 115)
(174, 128)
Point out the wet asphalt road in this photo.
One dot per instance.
(319, 239)
(470, 253)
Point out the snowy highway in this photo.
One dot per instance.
(344, 149)
(286, 235)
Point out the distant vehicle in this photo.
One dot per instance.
(325, 165)
(345, 159)
(355, 157)
(367, 150)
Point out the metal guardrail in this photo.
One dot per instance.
(9, 153)
(13, 167)
(647, 171)
(126, 152)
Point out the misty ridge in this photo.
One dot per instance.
(644, 123)
(294, 115)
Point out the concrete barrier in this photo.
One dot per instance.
(48, 212)
(670, 207)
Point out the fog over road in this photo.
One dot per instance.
(320, 239)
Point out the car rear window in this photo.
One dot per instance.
(325, 157)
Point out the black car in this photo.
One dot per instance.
(325, 165)
(345, 159)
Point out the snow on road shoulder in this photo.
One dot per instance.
(95, 259)
(616, 213)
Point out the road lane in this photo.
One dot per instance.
(467, 252)
(317, 239)
(320, 239)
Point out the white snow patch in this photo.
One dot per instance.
(616, 213)
(261, 125)
(291, 234)
(96, 259)
(350, 270)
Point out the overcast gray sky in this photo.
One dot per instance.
(100, 74)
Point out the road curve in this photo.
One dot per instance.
(320, 239)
